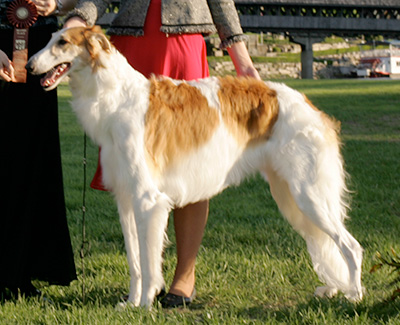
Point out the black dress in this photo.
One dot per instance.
(34, 236)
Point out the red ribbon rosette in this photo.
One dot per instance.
(22, 14)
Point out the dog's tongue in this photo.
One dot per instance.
(51, 76)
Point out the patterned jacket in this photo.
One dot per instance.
(177, 16)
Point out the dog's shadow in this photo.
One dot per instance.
(323, 309)
(78, 297)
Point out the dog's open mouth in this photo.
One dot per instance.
(54, 75)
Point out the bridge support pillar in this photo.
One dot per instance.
(306, 42)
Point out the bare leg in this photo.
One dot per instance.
(189, 222)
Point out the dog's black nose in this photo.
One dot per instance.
(28, 66)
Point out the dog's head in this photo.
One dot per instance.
(69, 50)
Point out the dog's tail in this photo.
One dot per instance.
(307, 180)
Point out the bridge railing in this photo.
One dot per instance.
(326, 19)
(246, 8)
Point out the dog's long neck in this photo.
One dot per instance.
(101, 93)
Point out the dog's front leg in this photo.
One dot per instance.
(151, 223)
(128, 224)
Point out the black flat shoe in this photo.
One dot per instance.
(172, 301)
(161, 295)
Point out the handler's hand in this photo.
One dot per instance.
(242, 61)
(6, 68)
(74, 22)
(45, 7)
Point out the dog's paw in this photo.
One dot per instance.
(355, 295)
(121, 306)
(325, 292)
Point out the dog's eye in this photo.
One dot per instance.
(62, 42)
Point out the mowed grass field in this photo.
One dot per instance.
(252, 267)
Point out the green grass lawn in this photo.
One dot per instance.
(252, 267)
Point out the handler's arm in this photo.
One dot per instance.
(227, 22)
(242, 61)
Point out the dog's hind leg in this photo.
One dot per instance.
(336, 255)
(151, 221)
(128, 224)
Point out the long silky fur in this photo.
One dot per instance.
(246, 126)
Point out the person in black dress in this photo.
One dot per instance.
(34, 236)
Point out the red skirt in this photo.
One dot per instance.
(182, 56)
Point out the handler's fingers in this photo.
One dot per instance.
(4, 76)
(7, 71)
(45, 7)
(7, 75)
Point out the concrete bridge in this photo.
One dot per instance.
(310, 21)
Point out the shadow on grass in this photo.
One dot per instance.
(335, 309)
(94, 297)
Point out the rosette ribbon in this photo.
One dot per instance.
(22, 14)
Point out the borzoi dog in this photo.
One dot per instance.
(167, 143)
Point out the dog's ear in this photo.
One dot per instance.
(96, 42)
